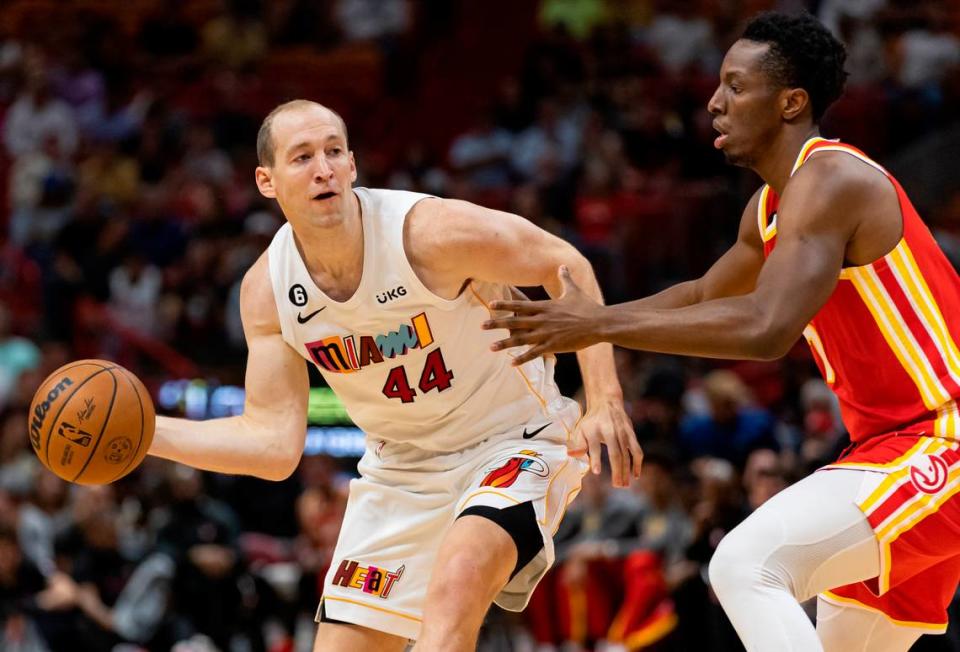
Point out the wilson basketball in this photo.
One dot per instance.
(91, 422)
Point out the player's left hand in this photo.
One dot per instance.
(567, 323)
(608, 424)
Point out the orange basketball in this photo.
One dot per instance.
(91, 422)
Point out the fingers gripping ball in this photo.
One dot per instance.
(91, 422)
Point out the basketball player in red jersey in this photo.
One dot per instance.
(832, 249)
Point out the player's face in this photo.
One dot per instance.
(313, 171)
(745, 105)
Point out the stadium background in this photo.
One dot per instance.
(129, 215)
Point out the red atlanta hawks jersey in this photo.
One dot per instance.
(885, 340)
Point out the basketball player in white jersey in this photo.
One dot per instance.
(470, 461)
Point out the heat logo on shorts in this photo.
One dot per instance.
(369, 579)
(929, 474)
(344, 355)
(511, 468)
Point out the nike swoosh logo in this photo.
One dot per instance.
(533, 433)
(303, 320)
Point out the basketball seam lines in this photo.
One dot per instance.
(142, 423)
(106, 420)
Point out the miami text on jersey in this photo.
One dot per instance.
(346, 354)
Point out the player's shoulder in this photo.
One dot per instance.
(448, 220)
(838, 174)
(834, 191)
(380, 199)
(258, 308)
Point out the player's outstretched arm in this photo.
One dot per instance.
(818, 216)
(267, 439)
(450, 242)
(733, 274)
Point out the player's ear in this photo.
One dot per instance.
(353, 169)
(265, 182)
(794, 101)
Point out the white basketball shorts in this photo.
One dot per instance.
(405, 502)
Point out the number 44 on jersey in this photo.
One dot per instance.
(435, 375)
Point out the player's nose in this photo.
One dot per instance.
(715, 105)
(322, 170)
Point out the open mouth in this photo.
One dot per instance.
(721, 139)
(325, 195)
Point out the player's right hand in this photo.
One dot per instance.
(608, 424)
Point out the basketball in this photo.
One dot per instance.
(91, 422)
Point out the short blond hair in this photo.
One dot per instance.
(265, 146)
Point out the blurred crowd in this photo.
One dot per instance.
(126, 174)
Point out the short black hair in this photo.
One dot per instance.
(803, 54)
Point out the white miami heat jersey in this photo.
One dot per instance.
(410, 367)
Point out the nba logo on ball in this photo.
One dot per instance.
(118, 450)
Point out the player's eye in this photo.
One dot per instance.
(302, 157)
(336, 151)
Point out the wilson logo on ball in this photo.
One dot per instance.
(40, 411)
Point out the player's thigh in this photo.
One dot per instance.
(480, 554)
(343, 637)
(812, 534)
(852, 629)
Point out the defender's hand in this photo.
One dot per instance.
(564, 324)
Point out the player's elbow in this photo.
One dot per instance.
(278, 466)
(772, 341)
(281, 456)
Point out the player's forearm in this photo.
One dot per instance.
(676, 296)
(229, 445)
(733, 327)
(599, 374)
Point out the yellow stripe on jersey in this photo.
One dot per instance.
(947, 421)
(886, 465)
(923, 446)
(918, 509)
(911, 280)
(898, 336)
(804, 152)
(768, 223)
(771, 231)
(852, 152)
(762, 212)
(813, 338)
